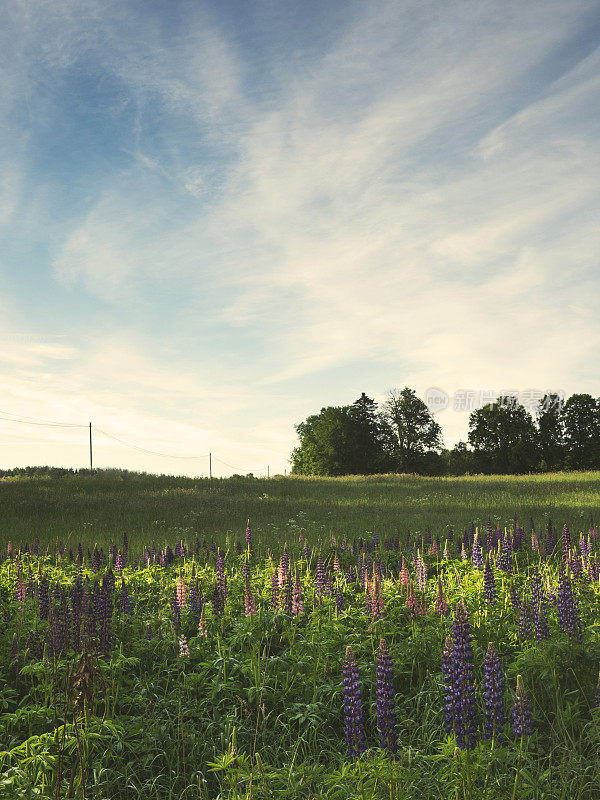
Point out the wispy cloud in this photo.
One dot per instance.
(411, 195)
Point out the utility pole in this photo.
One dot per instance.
(268, 476)
(91, 460)
(210, 465)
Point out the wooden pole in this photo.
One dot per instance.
(210, 465)
(91, 459)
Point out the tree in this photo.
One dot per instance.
(551, 431)
(581, 417)
(503, 437)
(460, 460)
(341, 440)
(412, 432)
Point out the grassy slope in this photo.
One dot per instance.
(100, 507)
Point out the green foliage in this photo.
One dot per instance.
(504, 438)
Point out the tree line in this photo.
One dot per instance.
(403, 436)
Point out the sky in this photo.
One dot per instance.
(218, 217)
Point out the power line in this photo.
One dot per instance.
(144, 449)
(41, 423)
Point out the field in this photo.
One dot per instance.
(363, 638)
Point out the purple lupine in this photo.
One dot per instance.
(196, 597)
(249, 603)
(76, 611)
(525, 616)
(568, 607)
(176, 610)
(514, 599)
(248, 536)
(540, 622)
(353, 713)
(339, 600)
(489, 584)
(96, 562)
(386, 710)
(463, 682)
(505, 560)
(521, 711)
(477, 554)
(320, 574)
(448, 675)
(221, 577)
(493, 692)
(218, 600)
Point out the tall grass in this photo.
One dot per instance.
(99, 507)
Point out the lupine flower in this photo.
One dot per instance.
(463, 553)
(275, 589)
(320, 574)
(462, 680)
(568, 608)
(386, 711)
(181, 593)
(477, 555)
(404, 577)
(448, 674)
(521, 711)
(218, 600)
(248, 536)
(339, 600)
(446, 553)
(353, 713)
(441, 605)
(493, 692)
(505, 560)
(104, 612)
(336, 564)
(489, 584)
(514, 599)
(202, 625)
(421, 569)
(195, 597)
(540, 621)
(412, 603)
(525, 615)
(20, 588)
(184, 649)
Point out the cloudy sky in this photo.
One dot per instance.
(218, 217)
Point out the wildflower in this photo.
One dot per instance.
(249, 604)
(462, 679)
(202, 625)
(297, 601)
(525, 621)
(477, 555)
(181, 593)
(248, 536)
(353, 713)
(568, 607)
(447, 672)
(386, 712)
(184, 650)
(489, 584)
(493, 692)
(521, 711)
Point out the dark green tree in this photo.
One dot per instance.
(341, 440)
(504, 438)
(551, 431)
(460, 460)
(412, 433)
(581, 417)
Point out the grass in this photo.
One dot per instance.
(102, 506)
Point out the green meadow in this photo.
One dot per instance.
(101, 507)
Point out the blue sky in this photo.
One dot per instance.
(216, 218)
